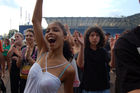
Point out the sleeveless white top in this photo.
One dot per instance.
(42, 82)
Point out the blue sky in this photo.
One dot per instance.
(11, 10)
(8, 3)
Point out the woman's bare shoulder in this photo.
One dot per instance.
(70, 70)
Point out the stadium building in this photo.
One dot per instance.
(112, 25)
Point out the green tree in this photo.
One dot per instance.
(12, 32)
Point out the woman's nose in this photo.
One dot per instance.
(51, 31)
(94, 37)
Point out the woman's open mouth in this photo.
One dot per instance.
(51, 40)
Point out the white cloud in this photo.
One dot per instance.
(8, 19)
(75, 7)
(58, 8)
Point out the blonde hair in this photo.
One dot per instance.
(29, 30)
(20, 34)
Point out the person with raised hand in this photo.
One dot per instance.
(94, 59)
(51, 68)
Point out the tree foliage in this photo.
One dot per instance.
(12, 32)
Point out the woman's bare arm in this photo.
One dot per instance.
(37, 19)
(112, 61)
(68, 83)
(80, 58)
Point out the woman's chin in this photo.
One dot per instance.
(52, 46)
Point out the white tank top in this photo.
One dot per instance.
(42, 82)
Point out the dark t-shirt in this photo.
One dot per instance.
(13, 62)
(95, 76)
(107, 46)
(127, 59)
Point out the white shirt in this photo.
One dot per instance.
(41, 82)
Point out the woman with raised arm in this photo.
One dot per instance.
(94, 59)
(52, 68)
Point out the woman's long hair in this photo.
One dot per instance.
(67, 49)
(97, 30)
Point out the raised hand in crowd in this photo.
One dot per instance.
(80, 59)
(79, 38)
(69, 35)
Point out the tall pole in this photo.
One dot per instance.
(10, 23)
(20, 15)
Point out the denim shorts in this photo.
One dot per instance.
(103, 91)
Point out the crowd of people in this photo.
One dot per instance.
(76, 63)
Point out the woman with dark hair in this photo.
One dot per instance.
(76, 50)
(94, 59)
(51, 68)
(6, 47)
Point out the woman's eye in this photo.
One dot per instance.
(92, 35)
(55, 30)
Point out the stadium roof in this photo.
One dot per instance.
(120, 22)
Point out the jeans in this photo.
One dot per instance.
(103, 91)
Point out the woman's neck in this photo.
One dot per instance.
(19, 45)
(57, 53)
(93, 47)
(31, 45)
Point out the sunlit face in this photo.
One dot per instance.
(18, 39)
(94, 38)
(29, 37)
(54, 36)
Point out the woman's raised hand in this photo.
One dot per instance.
(67, 30)
(79, 38)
